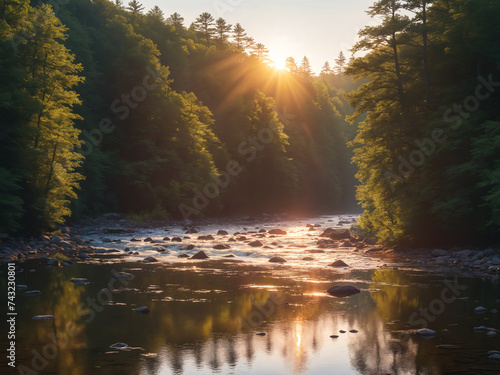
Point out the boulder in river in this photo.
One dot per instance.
(439, 252)
(480, 309)
(208, 237)
(336, 234)
(338, 263)
(277, 231)
(176, 239)
(190, 247)
(79, 280)
(221, 247)
(277, 260)
(255, 244)
(150, 259)
(200, 255)
(222, 232)
(191, 231)
(343, 290)
(308, 258)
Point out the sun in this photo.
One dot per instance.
(277, 63)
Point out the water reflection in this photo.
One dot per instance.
(205, 320)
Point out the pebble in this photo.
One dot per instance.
(426, 332)
(32, 293)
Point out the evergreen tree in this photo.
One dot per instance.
(222, 28)
(326, 69)
(340, 63)
(205, 25)
(305, 68)
(291, 65)
(239, 36)
(176, 20)
(135, 7)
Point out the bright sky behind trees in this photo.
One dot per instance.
(318, 29)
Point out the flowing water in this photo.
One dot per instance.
(206, 314)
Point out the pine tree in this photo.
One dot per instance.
(156, 12)
(205, 25)
(340, 63)
(176, 20)
(261, 52)
(239, 36)
(291, 65)
(326, 69)
(222, 28)
(135, 7)
(305, 68)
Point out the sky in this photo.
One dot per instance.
(318, 29)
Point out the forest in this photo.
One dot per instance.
(106, 107)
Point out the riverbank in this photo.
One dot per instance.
(111, 238)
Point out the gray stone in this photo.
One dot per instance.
(426, 332)
(55, 240)
(439, 252)
(143, 310)
(32, 293)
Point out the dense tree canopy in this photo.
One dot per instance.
(109, 107)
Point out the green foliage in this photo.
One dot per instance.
(419, 72)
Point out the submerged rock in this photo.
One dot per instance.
(222, 232)
(150, 259)
(308, 258)
(260, 334)
(277, 260)
(190, 247)
(123, 275)
(426, 332)
(494, 357)
(79, 280)
(338, 263)
(343, 290)
(480, 309)
(118, 345)
(32, 293)
(183, 256)
(143, 310)
(200, 255)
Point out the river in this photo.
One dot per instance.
(243, 315)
